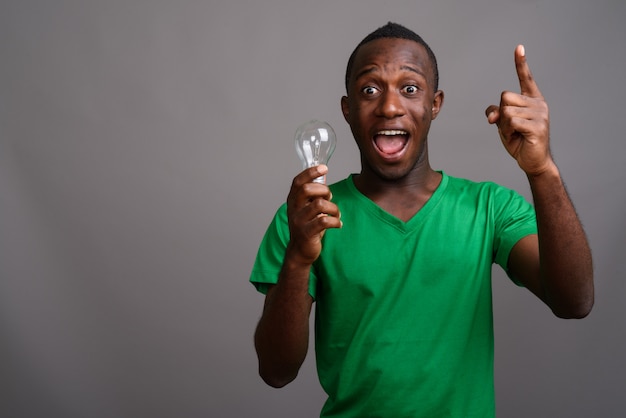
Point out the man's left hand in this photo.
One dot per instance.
(523, 121)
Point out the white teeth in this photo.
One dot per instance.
(392, 132)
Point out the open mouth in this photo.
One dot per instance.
(391, 142)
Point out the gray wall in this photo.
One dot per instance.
(144, 146)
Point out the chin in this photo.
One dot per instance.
(401, 170)
(392, 173)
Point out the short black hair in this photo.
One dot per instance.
(397, 31)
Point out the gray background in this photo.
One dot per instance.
(144, 146)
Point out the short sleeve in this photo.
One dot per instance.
(271, 253)
(515, 218)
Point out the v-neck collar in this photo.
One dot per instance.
(394, 221)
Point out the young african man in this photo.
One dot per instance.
(398, 257)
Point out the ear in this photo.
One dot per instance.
(345, 108)
(437, 103)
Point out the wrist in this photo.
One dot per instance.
(549, 172)
(294, 260)
(547, 184)
(294, 274)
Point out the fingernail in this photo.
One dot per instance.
(522, 51)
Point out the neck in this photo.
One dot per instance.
(403, 197)
(418, 179)
(410, 187)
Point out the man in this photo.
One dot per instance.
(398, 257)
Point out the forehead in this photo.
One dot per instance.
(392, 52)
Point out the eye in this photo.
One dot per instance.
(369, 90)
(410, 89)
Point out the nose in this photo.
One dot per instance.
(390, 105)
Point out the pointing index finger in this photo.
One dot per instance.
(526, 81)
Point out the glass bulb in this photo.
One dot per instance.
(315, 143)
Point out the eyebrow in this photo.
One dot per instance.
(373, 69)
(412, 69)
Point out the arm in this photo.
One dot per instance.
(282, 335)
(556, 264)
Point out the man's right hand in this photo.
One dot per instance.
(310, 212)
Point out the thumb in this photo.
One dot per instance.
(493, 114)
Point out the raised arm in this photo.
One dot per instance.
(282, 335)
(556, 264)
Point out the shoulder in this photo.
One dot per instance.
(344, 191)
(478, 188)
(342, 186)
(488, 196)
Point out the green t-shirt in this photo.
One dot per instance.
(404, 324)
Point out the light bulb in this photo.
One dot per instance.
(315, 143)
